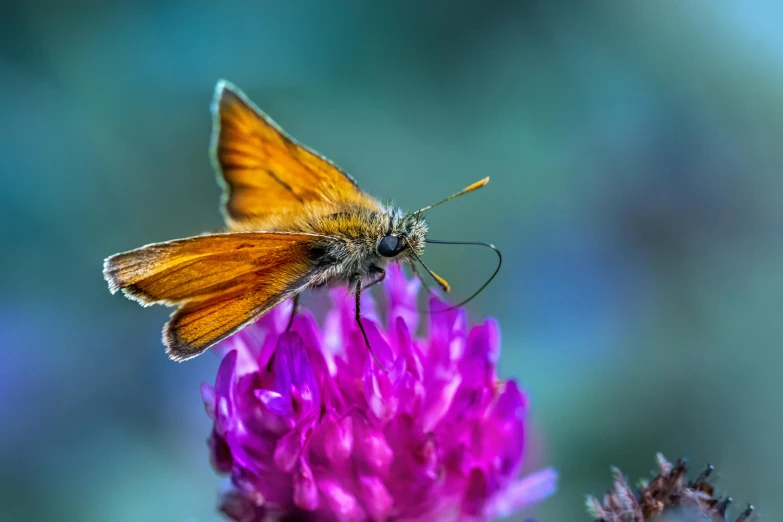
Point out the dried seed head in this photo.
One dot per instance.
(668, 497)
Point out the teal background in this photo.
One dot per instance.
(635, 155)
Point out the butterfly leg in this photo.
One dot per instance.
(376, 270)
(295, 299)
(357, 280)
(293, 312)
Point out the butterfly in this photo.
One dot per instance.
(294, 221)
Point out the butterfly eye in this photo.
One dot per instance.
(390, 246)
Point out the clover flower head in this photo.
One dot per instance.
(309, 427)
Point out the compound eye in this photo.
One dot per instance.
(390, 246)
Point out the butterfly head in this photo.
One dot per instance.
(404, 238)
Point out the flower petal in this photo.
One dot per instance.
(305, 325)
(484, 341)
(376, 498)
(405, 349)
(511, 404)
(477, 365)
(247, 343)
(381, 386)
(274, 402)
(344, 505)
(380, 347)
(288, 450)
(503, 434)
(305, 489)
(476, 493)
(447, 333)
(524, 492)
(208, 396)
(294, 376)
(345, 302)
(220, 453)
(370, 447)
(439, 396)
(226, 375)
(332, 339)
(402, 294)
(224, 418)
(337, 439)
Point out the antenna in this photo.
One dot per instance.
(438, 279)
(475, 186)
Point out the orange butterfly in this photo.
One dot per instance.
(295, 221)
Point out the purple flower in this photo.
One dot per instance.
(310, 428)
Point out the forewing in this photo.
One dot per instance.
(219, 282)
(264, 171)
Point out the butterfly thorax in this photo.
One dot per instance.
(351, 233)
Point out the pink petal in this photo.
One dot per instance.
(447, 333)
(370, 446)
(377, 499)
(402, 294)
(305, 489)
(225, 376)
(224, 418)
(511, 404)
(247, 344)
(481, 351)
(476, 492)
(439, 396)
(306, 327)
(412, 394)
(220, 453)
(332, 339)
(484, 341)
(343, 504)
(524, 492)
(380, 347)
(338, 439)
(208, 396)
(273, 401)
(427, 456)
(381, 387)
(288, 450)
(293, 371)
(405, 349)
(277, 319)
(503, 432)
(345, 302)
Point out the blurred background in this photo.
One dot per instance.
(635, 154)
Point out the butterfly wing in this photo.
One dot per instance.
(220, 283)
(264, 172)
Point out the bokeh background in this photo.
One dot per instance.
(636, 157)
